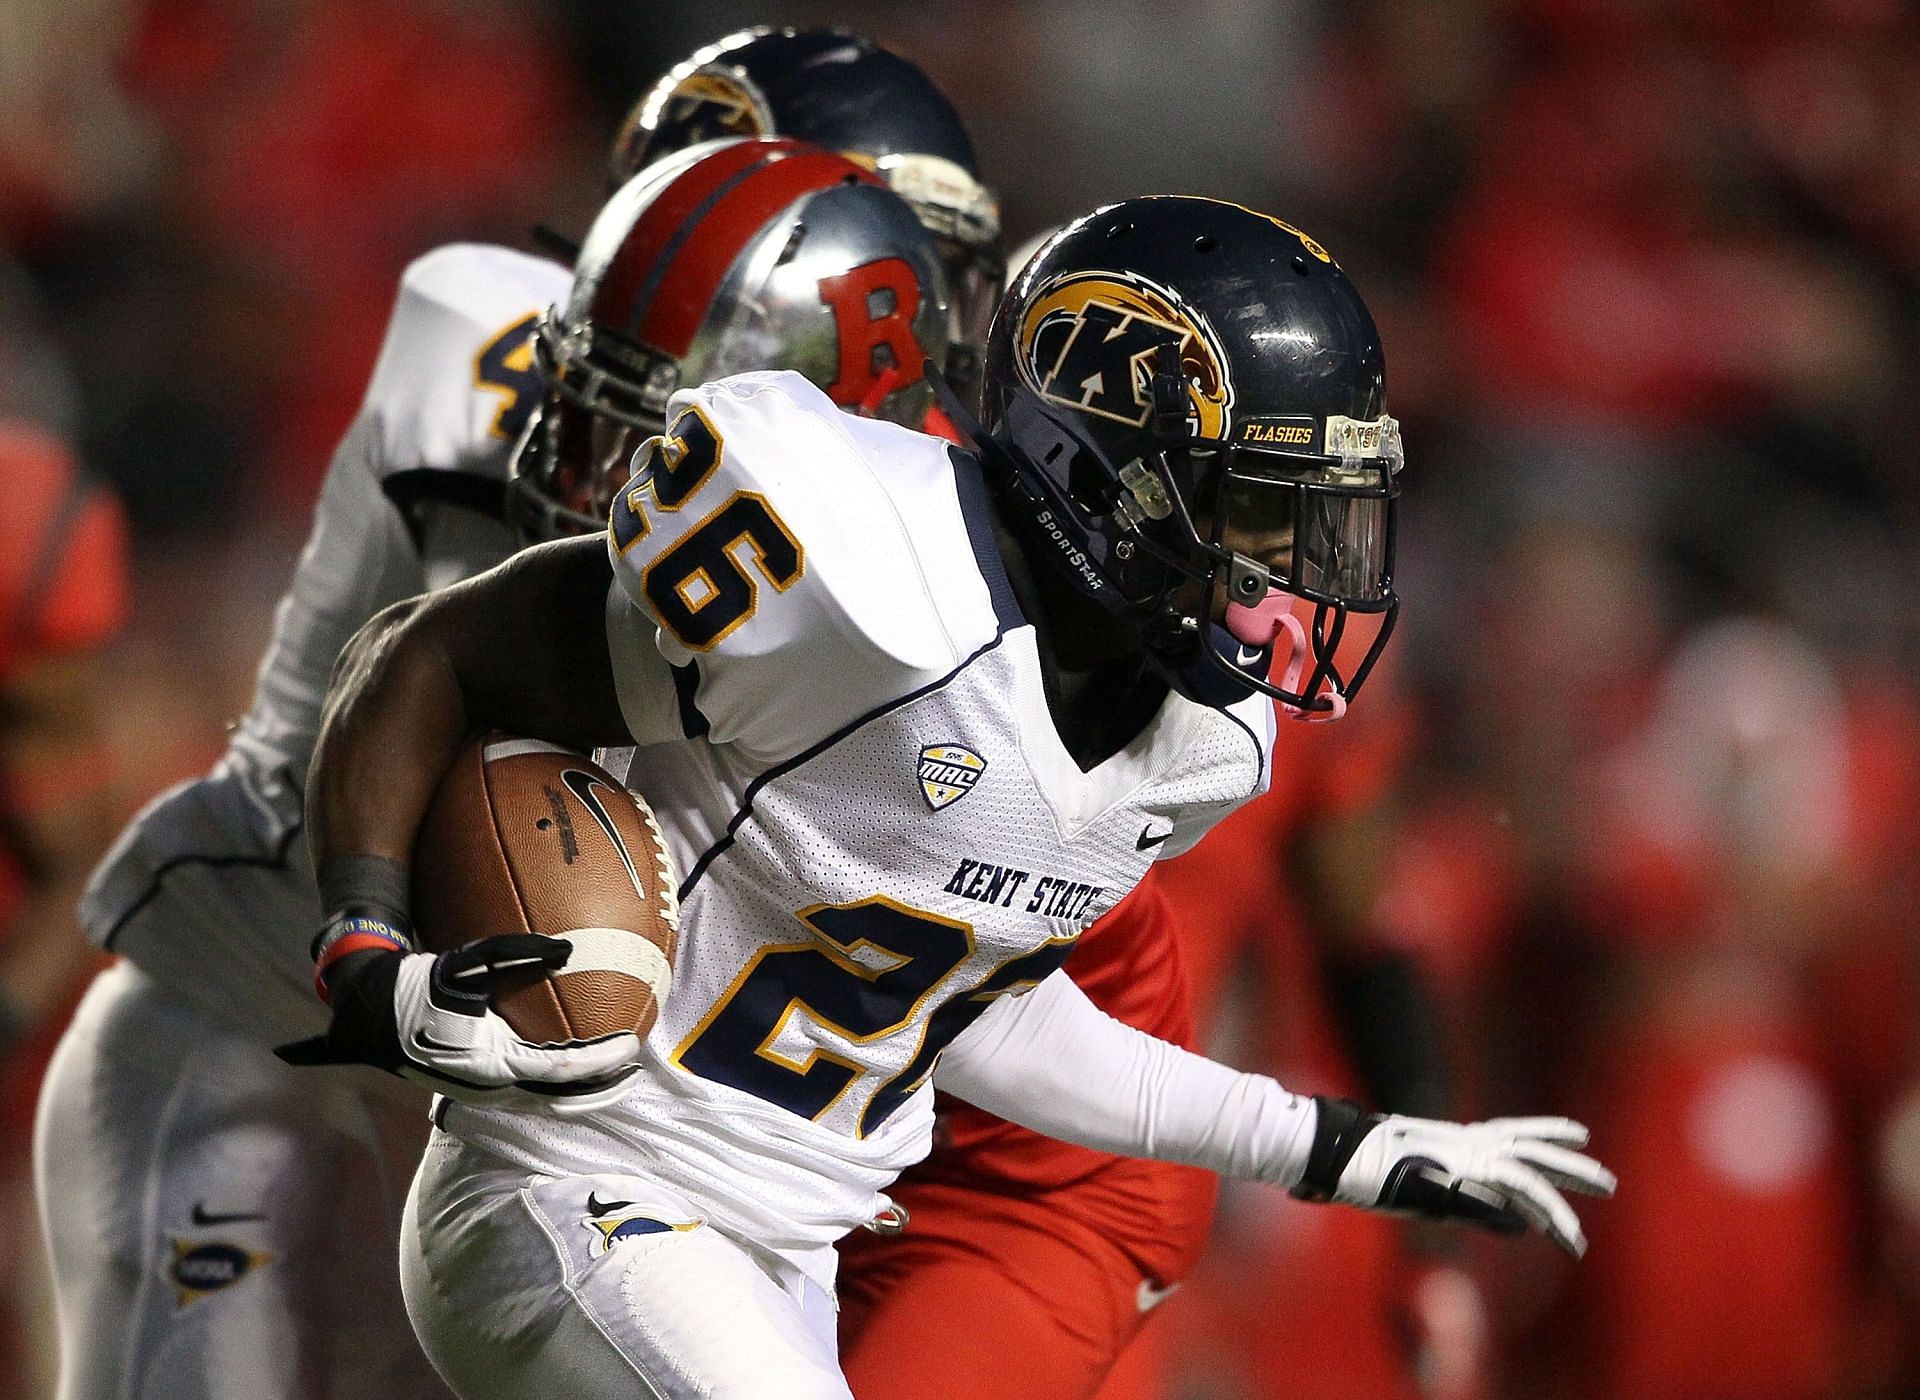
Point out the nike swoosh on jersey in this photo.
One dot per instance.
(596, 1206)
(581, 784)
(1152, 1294)
(1147, 840)
(202, 1216)
(1246, 657)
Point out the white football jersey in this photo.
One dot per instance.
(210, 889)
(877, 827)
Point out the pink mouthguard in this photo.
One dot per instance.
(1261, 626)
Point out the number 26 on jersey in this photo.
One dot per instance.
(708, 581)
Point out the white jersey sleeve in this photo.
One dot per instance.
(413, 498)
(1052, 1061)
(786, 569)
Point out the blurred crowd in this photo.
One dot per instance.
(1636, 789)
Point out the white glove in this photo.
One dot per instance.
(1505, 1174)
(427, 1017)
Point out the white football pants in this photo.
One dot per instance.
(601, 1288)
(222, 1226)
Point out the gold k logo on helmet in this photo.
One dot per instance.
(1088, 340)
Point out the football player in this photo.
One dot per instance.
(1065, 1250)
(212, 1269)
(911, 720)
(1061, 1251)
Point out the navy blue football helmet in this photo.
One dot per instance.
(1185, 408)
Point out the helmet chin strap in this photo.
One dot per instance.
(1263, 625)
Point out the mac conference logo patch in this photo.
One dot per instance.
(948, 773)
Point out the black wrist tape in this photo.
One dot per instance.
(366, 885)
(1339, 1124)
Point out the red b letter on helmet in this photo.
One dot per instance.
(861, 332)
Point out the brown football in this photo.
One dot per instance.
(526, 837)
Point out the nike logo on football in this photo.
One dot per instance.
(581, 785)
(202, 1216)
(596, 1206)
(1152, 1295)
(1148, 840)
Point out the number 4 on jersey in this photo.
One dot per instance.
(505, 367)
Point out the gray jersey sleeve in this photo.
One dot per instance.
(359, 558)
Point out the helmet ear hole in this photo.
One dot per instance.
(1084, 481)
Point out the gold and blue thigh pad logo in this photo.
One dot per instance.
(613, 1222)
(200, 1270)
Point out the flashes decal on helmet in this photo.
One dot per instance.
(699, 101)
(1088, 339)
(1295, 430)
(873, 308)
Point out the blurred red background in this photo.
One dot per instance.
(1648, 272)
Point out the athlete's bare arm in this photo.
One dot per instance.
(520, 648)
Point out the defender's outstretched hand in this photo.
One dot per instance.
(1504, 1174)
(427, 1017)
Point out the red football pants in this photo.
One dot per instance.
(1010, 1296)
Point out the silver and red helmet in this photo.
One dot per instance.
(736, 255)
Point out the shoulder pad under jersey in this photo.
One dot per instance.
(805, 567)
(455, 382)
